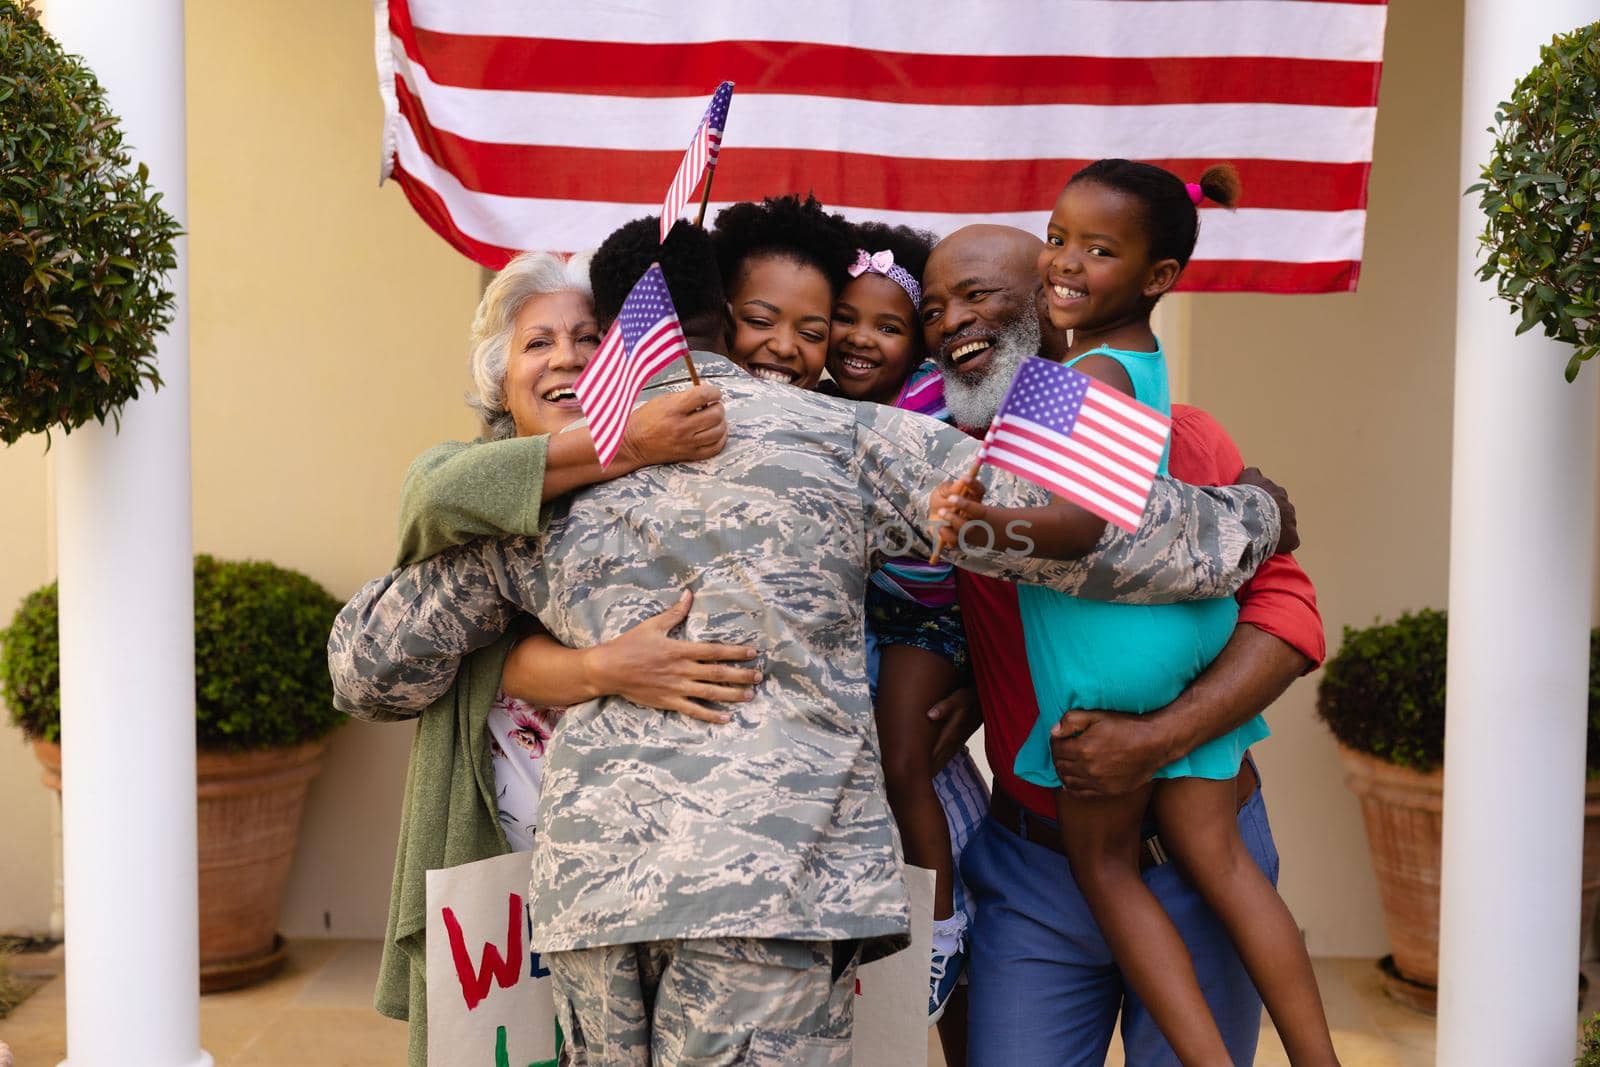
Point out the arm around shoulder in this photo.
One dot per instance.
(1194, 543)
(457, 491)
(396, 645)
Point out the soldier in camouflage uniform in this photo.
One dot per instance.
(701, 889)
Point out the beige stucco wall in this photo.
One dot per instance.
(326, 337)
(26, 875)
(327, 327)
(1347, 401)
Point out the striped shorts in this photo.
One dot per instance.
(965, 800)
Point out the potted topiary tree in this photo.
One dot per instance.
(1589, 1044)
(1383, 696)
(264, 708)
(1541, 194)
(85, 246)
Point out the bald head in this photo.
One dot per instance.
(1016, 248)
(980, 314)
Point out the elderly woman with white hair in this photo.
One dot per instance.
(473, 784)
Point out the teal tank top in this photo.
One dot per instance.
(1135, 658)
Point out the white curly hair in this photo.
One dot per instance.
(529, 275)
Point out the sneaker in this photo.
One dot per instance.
(942, 979)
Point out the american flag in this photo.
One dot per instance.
(645, 338)
(699, 159)
(1080, 439)
(546, 124)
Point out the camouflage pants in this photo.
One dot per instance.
(704, 1003)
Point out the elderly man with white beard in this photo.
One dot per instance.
(1044, 987)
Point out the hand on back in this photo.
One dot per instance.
(1289, 530)
(648, 668)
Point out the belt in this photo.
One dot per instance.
(1046, 833)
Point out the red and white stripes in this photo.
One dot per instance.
(516, 124)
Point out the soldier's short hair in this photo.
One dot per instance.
(529, 275)
(688, 262)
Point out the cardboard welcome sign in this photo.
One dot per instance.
(489, 997)
(892, 993)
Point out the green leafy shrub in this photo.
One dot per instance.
(1541, 192)
(85, 246)
(1384, 692)
(1589, 1044)
(261, 669)
(30, 667)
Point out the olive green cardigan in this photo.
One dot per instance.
(452, 493)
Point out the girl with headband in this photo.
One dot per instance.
(914, 626)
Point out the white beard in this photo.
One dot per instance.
(974, 401)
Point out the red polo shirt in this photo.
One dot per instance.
(1278, 599)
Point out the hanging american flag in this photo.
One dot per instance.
(699, 159)
(1080, 439)
(645, 338)
(545, 124)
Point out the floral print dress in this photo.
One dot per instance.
(518, 734)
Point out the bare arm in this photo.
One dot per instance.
(1100, 753)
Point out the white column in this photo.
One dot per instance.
(127, 627)
(1521, 574)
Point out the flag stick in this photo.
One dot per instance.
(983, 450)
(972, 476)
(705, 197)
(700, 220)
(688, 361)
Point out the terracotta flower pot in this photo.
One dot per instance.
(1404, 814)
(249, 820)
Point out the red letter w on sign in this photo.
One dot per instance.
(494, 967)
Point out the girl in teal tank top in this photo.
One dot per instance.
(1118, 238)
(1125, 657)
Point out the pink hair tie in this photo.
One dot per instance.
(883, 263)
(1196, 193)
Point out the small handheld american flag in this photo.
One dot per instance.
(701, 157)
(645, 338)
(1080, 439)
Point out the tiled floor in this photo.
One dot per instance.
(1369, 1029)
(318, 1013)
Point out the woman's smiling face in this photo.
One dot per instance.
(781, 310)
(552, 338)
(875, 339)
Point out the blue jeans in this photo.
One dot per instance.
(1044, 988)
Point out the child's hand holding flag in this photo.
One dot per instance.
(1077, 437)
(952, 506)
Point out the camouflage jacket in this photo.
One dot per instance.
(656, 826)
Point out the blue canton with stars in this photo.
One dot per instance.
(646, 306)
(1046, 393)
(716, 116)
